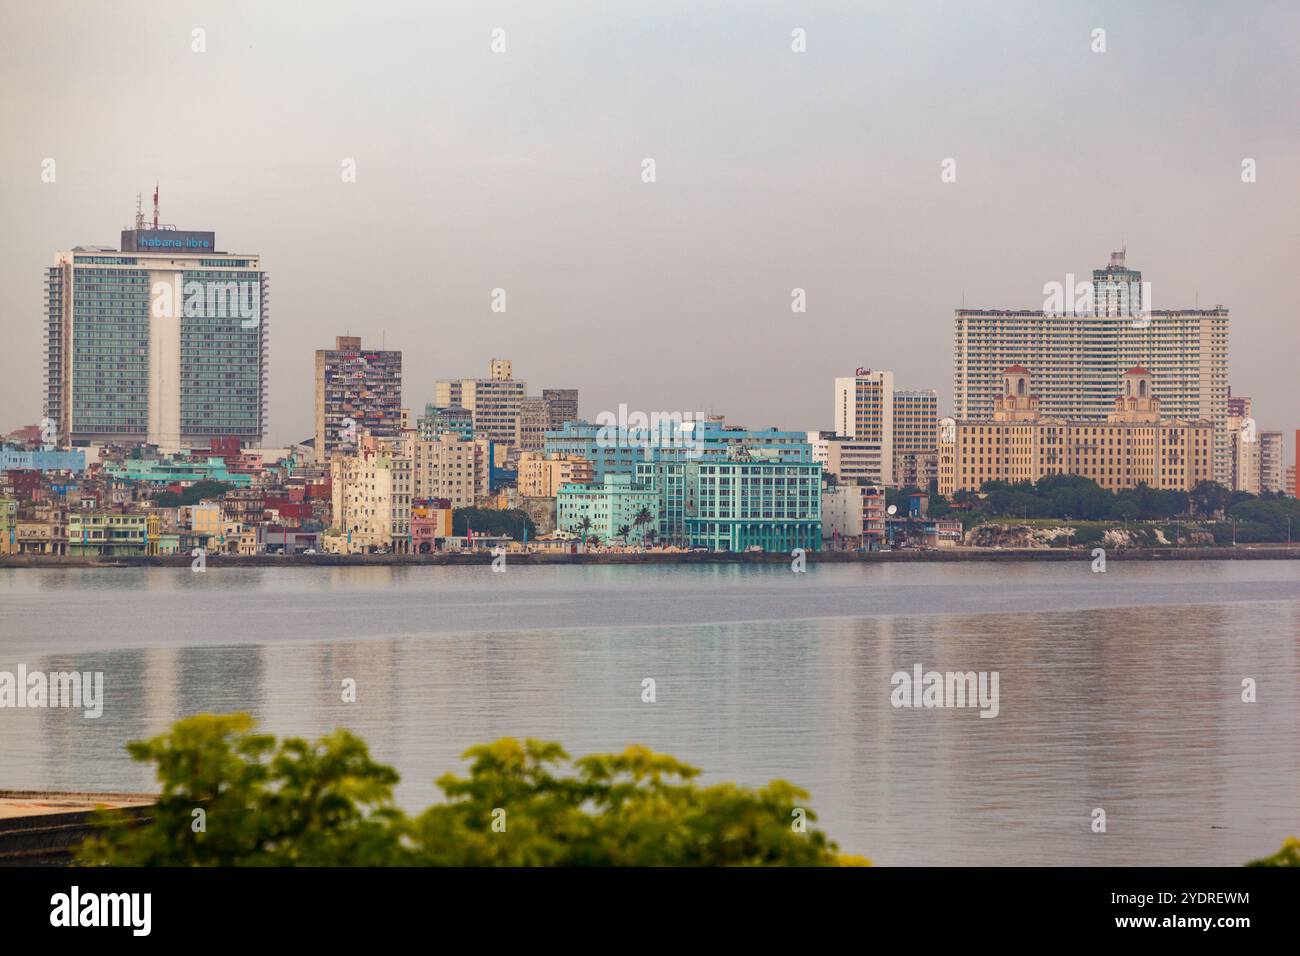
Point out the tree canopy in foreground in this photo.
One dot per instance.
(234, 797)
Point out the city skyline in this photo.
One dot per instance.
(530, 180)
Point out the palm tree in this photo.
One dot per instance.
(623, 532)
(643, 518)
(584, 526)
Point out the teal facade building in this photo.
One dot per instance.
(736, 503)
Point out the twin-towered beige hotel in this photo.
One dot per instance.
(1133, 446)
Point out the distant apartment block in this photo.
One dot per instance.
(850, 460)
(163, 341)
(437, 421)
(563, 404)
(358, 392)
(916, 420)
(1271, 453)
(451, 467)
(541, 476)
(42, 459)
(1079, 360)
(534, 423)
(853, 516)
(371, 498)
(494, 403)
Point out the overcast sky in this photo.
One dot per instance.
(522, 170)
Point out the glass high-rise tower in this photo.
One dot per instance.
(163, 341)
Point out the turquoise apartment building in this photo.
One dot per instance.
(731, 504)
(611, 504)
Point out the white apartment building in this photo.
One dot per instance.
(864, 413)
(864, 462)
(819, 442)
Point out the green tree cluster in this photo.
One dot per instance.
(192, 495)
(489, 521)
(234, 797)
(1266, 518)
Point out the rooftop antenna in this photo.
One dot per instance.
(155, 206)
(139, 211)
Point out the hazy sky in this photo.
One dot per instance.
(775, 170)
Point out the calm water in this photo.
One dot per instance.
(1118, 690)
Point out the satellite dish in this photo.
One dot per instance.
(892, 509)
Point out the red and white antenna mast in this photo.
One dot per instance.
(155, 206)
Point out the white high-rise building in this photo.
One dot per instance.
(864, 412)
(1079, 360)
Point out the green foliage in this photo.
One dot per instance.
(199, 491)
(489, 521)
(1289, 855)
(937, 508)
(637, 808)
(1074, 497)
(1265, 518)
(1208, 498)
(522, 804)
(298, 804)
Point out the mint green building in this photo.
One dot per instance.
(169, 471)
(612, 505)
